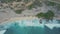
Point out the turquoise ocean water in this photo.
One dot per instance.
(30, 27)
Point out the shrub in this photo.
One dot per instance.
(18, 11)
(49, 15)
(39, 15)
(35, 4)
(49, 3)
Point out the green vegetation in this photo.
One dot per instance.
(35, 4)
(18, 0)
(49, 15)
(18, 11)
(27, 1)
(58, 7)
(49, 3)
(31, 6)
(39, 15)
(6, 1)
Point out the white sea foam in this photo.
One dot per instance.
(2, 32)
(51, 26)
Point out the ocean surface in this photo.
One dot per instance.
(29, 27)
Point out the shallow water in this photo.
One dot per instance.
(31, 27)
(16, 29)
(25, 30)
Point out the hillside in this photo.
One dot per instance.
(22, 8)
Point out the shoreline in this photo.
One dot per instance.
(18, 18)
(22, 18)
